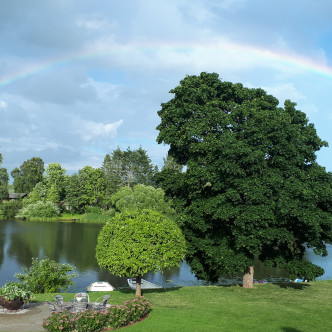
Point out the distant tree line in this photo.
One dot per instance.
(89, 188)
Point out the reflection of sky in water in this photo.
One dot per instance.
(75, 244)
(324, 262)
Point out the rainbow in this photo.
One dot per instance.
(290, 60)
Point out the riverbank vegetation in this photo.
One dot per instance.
(93, 193)
(267, 307)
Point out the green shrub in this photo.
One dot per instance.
(89, 320)
(40, 210)
(11, 208)
(46, 276)
(13, 290)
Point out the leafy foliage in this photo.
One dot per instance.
(141, 197)
(39, 209)
(127, 168)
(252, 186)
(113, 317)
(12, 290)
(46, 276)
(29, 174)
(11, 208)
(38, 193)
(74, 190)
(137, 242)
(87, 188)
(171, 164)
(55, 182)
(4, 178)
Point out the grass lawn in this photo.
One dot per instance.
(267, 307)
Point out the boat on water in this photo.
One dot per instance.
(100, 286)
(144, 284)
(300, 280)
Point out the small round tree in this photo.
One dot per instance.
(137, 242)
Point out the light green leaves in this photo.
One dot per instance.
(137, 242)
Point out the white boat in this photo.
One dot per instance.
(300, 280)
(144, 284)
(100, 286)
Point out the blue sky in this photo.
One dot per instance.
(79, 78)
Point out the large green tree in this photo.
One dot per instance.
(28, 175)
(127, 168)
(138, 242)
(252, 187)
(87, 188)
(55, 182)
(4, 178)
(74, 192)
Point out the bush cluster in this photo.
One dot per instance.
(39, 209)
(12, 290)
(89, 320)
(11, 208)
(46, 276)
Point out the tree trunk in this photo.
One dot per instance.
(248, 277)
(138, 286)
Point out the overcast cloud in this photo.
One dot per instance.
(80, 78)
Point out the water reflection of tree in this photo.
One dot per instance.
(31, 240)
(61, 242)
(117, 282)
(78, 247)
(2, 245)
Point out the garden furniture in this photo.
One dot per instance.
(81, 296)
(62, 306)
(100, 305)
(79, 306)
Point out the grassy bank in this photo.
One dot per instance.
(80, 218)
(267, 307)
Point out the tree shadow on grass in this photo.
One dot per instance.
(290, 329)
(149, 291)
(294, 285)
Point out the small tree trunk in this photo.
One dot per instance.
(248, 277)
(138, 286)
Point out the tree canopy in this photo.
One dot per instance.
(28, 175)
(127, 168)
(252, 186)
(87, 188)
(4, 178)
(137, 242)
(141, 197)
(55, 182)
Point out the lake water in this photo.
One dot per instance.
(75, 244)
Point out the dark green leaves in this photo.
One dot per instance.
(251, 186)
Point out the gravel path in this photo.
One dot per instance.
(29, 319)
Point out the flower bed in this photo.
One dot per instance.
(89, 320)
(13, 295)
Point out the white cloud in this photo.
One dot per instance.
(90, 130)
(94, 24)
(285, 91)
(3, 105)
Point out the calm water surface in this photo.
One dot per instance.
(75, 244)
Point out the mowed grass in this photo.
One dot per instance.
(267, 307)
